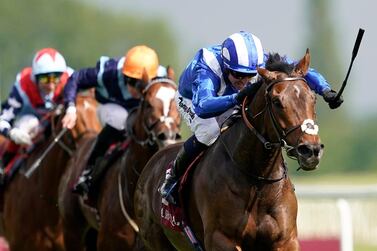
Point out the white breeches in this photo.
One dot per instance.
(205, 130)
(113, 115)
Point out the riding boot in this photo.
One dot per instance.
(105, 138)
(189, 151)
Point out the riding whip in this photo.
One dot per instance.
(48, 149)
(354, 53)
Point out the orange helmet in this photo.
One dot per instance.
(139, 58)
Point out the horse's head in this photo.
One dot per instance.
(290, 104)
(87, 120)
(160, 116)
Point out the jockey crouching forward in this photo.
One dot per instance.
(213, 84)
(36, 91)
(115, 82)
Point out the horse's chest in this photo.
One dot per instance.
(263, 225)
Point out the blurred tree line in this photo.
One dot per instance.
(80, 32)
(350, 144)
(83, 33)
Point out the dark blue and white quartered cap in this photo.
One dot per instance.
(242, 52)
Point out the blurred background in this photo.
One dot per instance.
(84, 30)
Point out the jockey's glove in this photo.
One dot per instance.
(248, 90)
(19, 136)
(330, 97)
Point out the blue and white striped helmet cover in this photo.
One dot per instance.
(242, 52)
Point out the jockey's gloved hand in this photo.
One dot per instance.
(330, 97)
(248, 90)
(70, 117)
(19, 136)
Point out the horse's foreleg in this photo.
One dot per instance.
(217, 241)
(289, 245)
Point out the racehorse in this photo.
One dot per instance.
(239, 196)
(154, 124)
(31, 216)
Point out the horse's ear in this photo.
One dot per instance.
(303, 66)
(143, 83)
(145, 77)
(266, 74)
(171, 73)
(92, 92)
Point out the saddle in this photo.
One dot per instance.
(102, 163)
(173, 214)
(12, 165)
(17, 156)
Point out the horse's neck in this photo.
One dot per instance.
(141, 151)
(248, 152)
(50, 171)
(133, 164)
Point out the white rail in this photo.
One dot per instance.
(347, 200)
(335, 192)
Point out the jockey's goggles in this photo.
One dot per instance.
(131, 81)
(48, 78)
(241, 75)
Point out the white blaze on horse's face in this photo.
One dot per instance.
(166, 95)
(87, 105)
(297, 91)
(309, 127)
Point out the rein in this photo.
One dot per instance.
(151, 137)
(56, 140)
(280, 133)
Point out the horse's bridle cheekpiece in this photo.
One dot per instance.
(308, 126)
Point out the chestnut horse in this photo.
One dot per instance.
(153, 125)
(31, 216)
(240, 197)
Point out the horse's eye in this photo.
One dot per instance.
(276, 102)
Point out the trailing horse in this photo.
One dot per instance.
(31, 217)
(153, 125)
(239, 196)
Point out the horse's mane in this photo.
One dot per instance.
(275, 62)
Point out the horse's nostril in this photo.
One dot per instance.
(161, 136)
(304, 150)
(309, 150)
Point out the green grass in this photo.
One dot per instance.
(360, 247)
(316, 178)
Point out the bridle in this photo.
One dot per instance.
(68, 147)
(281, 133)
(151, 139)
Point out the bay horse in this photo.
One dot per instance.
(31, 216)
(154, 124)
(240, 196)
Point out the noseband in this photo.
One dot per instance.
(308, 126)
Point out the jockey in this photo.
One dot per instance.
(210, 86)
(36, 90)
(115, 82)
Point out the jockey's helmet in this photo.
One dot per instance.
(139, 58)
(242, 52)
(48, 60)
